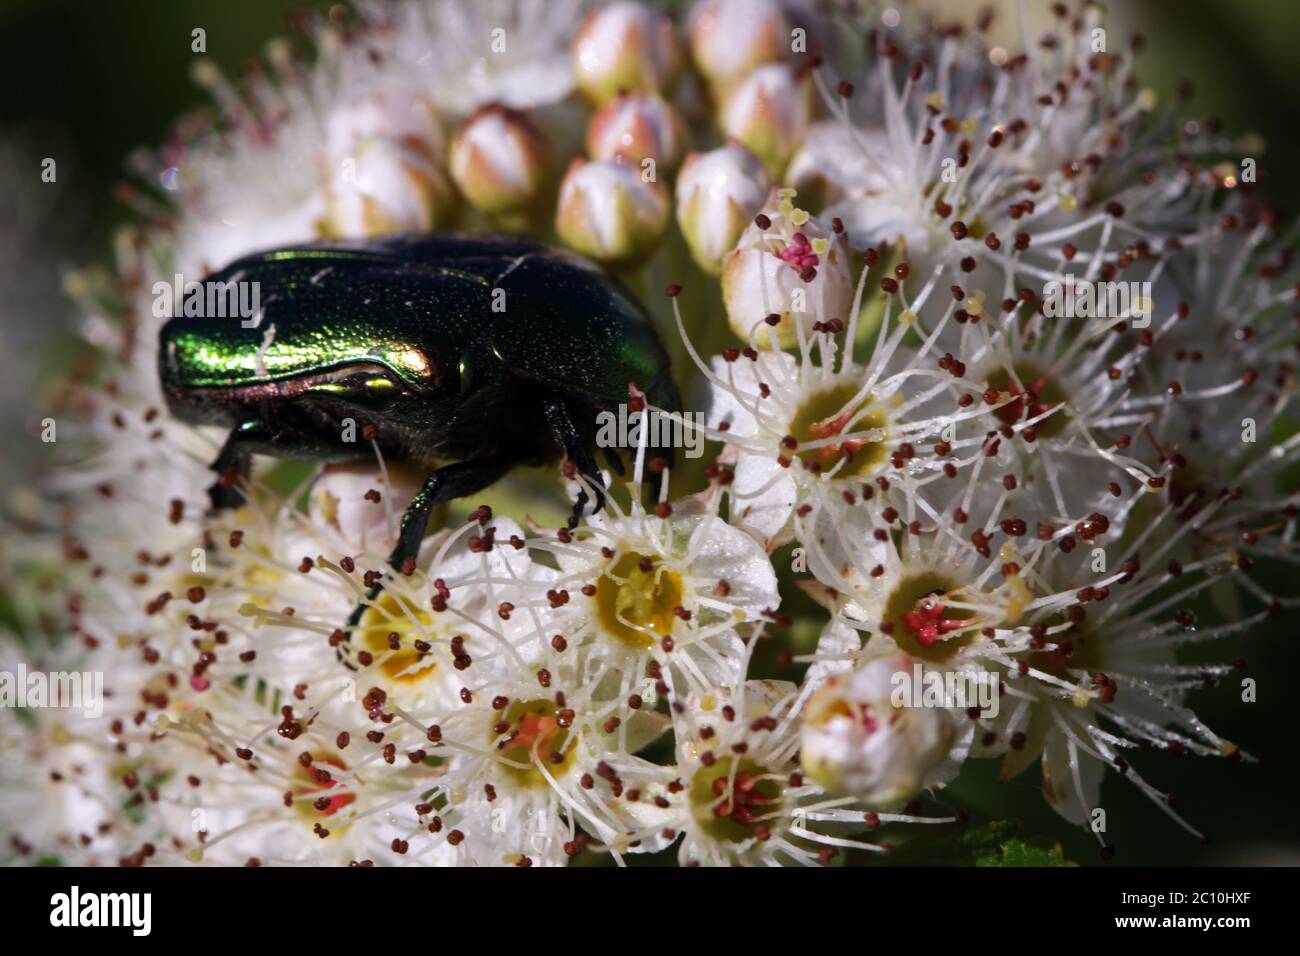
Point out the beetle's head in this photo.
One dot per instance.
(208, 366)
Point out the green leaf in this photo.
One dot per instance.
(998, 843)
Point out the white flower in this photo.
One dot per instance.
(975, 487)
(63, 782)
(823, 431)
(420, 637)
(858, 741)
(256, 184)
(736, 795)
(470, 53)
(855, 176)
(1108, 682)
(518, 758)
(665, 589)
(110, 453)
(789, 265)
(253, 785)
(1212, 391)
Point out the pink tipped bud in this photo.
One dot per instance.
(769, 112)
(729, 38)
(383, 167)
(861, 740)
(634, 129)
(388, 186)
(718, 195)
(625, 47)
(499, 160)
(610, 211)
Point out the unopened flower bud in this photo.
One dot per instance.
(388, 186)
(857, 742)
(625, 47)
(718, 195)
(729, 38)
(384, 169)
(609, 211)
(636, 128)
(769, 111)
(499, 160)
(791, 267)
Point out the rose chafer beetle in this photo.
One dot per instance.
(482, 353)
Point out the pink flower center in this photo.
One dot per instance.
(1025, 405)
(927, 623)
(744, 803)
(798, 252)
(869, 723)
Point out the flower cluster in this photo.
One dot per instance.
(993, 356)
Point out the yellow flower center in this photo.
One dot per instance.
(534, 735)
(387, 623)
(923, 623)
(732, 808)
(636, 600)
(828, 413)
(1037, 393)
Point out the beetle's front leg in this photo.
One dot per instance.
(615, 463)
(451, 481)
(560, 417)
(233, 463)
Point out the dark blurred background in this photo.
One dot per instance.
(85, 82)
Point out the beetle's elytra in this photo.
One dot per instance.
(481, 352)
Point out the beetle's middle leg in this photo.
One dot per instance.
(559, 416)
(451, 481)
(233, 463)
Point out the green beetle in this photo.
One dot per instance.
(482, 352)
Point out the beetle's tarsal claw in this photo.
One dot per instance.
(232, 464)
(579, 506)
(596, 495)
(224, 497)
(402, 558)
(358, 612)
